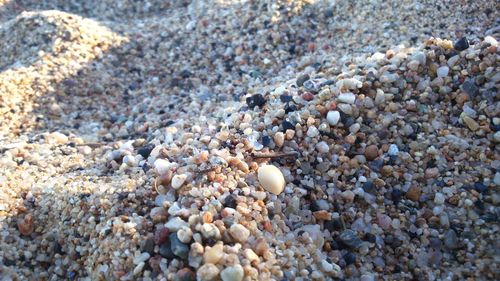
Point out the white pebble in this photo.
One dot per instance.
(207, 272)
(393, 150)
(271, 179)
(162, 166)
(347, 98)
(239, 232)
(443, 71)
(322, 147)
(333, 117)
(178, 180)
(312, 132)
(232, 273)
(349, 83)
(439, 198)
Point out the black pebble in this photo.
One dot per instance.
(370, 238)
(480, 187)
(145, 150)
(349, 258)
(230, 201)
(148, 246)
(166, 251)
(256, 100)
(286, 98)
(396, 195)
(266, 140)
(290, 108)
(462, 44)
(369, 187)
(287, 126)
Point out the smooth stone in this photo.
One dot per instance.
(271, 179)
(178, 248)
(349, 98)
(453, 60)
(470, 123)
(239, 232)
(176, 223)
(158, 214)
(207, 272)
(185, 234)
(462, 44)
(214, 254)
(333, 117)
(393, 150)
(371, 152)
(232, 273)
(322, 147)
(279, 139)
(450, 239)
(178, 181)
(443, 71)
(350, 238)
(312, 132)
(439, 198)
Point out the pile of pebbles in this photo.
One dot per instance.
(238, 141)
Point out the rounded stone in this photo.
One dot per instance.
(271, 179)
(178, 181)
(232, 273)
(239, 232)
(207, 272)
(371, 152)
(333, 117)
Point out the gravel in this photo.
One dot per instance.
(249, 140)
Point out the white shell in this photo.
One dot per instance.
(271, 179)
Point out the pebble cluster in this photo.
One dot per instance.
(260, 140)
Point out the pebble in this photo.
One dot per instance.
(349, 83)
(443, 71)
(450, 239)
(279, 139)
(348, 196)
(462, 44)
(301, 79)
(214, 254)
(347, 98)
(158, 214)
(178, 181)
(413, 193)
(239, 232)
(176, 223)
(322, 147)
(333, 117)
(393, 150)
(470, 123)
(312, 132)
(162, 166)
(371, 152)
(178, 248)
(350, 239)
(232, 273)
(271, 179)
(207, 272)
(439, 198)
(185, 234)
(256, 100)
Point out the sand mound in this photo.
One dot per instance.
(39, 49)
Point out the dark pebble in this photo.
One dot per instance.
(148, 246)
(462, 44)
(266, 140)
(328, 13)
(166, 251)
(396, 195)
(145, 151)
(230, 201)
(161, 235)
(369, 187)
(302, 79)
(349, 258)
(287, 126)
(480, 187)
(450, 239)
(255, 100)
(186, 274)
(370, 237)
(350, 239)
(376, 164)
(286, 98)
(470, 88)
(334, 225)
(290, 108)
